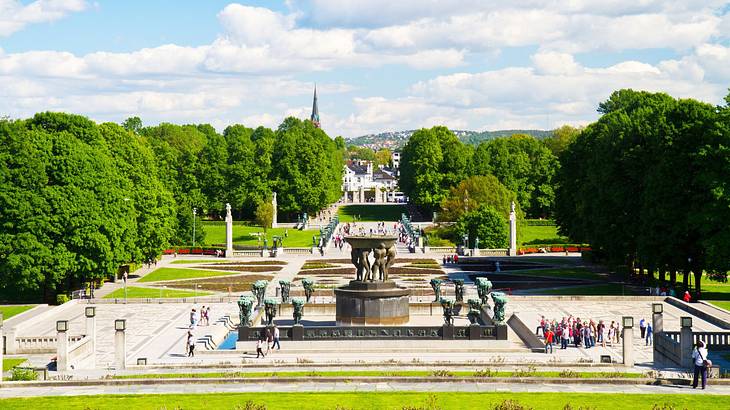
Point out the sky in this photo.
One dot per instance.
(378, 65)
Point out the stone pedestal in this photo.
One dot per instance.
(686, 342)
(62, 353)
(628, 346)
(657, 327)
(120, 349)
(371, 303)
(91, 333)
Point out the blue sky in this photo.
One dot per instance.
(379, 65)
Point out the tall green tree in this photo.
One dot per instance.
(486, 224)
(523, 165)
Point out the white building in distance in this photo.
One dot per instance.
(362, 184)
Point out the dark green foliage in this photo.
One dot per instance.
(68, 192)
(525, 166)
(486, 224)
(647, 184)
(80, 199)
(306, 167)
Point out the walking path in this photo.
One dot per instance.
(199, 387)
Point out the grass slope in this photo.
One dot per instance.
(378, 213)
(577, 273)
(9, 311)
(366, 400)
(10, 363)
(177, 273)
(152, 293)
(547, 235)
(244, 235)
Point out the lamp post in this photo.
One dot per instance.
(195, 212)
(689, 271)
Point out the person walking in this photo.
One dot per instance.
(276, 339)
(565, 338)
(649, 334)
(549, 335)
(191, 344)
(687, 298)
(699, 357)
(642, 327)
(269, 340)
(540, 327)
(193, 318)
(259, 348)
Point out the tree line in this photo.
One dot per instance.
(648, 186)
(474, 185)
(79, 199)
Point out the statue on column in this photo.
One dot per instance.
(379, 266)
(274, 223)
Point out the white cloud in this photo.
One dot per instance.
(14, 15)
(251, 72)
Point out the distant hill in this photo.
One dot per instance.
(396, 139)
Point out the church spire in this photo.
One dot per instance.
(315, 110)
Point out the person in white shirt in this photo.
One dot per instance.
(699, 357)
(276, 339)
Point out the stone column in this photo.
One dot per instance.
(628, 340)
(90, 313)
(62, 346)
(229, 232)
(512, 231)
(686, 342)
(120, 344)
(657, 325)
(274, 223)
(362, 194)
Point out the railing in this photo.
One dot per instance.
(492, 252)
(669, 347)
(41, 344)
(719, 339)
(248, 253)
(442, 249)
(297, 251)
(79, 351)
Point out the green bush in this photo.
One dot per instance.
(62, 298)
(23, 374)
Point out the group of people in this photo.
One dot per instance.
(197, 318)
(582, 333)
(268, 338)
(451, 259)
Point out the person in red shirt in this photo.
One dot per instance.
(687, 298)
(549, 336)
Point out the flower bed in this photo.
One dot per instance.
(237, 283)
(552, 248)
(242, 268)
(332, 271)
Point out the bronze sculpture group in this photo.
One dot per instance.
(384, 259)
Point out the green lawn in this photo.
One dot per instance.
(546, 235)
(721, 303)
(577, 273)
(134, 292)
(368, 400)
(178, 273)
(349, 213)
(371, 373)
(9, 311)
(215, 233)
(592, 290)
(10, 363)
